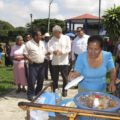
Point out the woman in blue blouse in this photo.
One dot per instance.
(93, 65)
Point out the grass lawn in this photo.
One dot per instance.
(6, 79)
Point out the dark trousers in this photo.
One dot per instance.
(8, 61)
(76, 55)
(48, 66)
(63, 69)
(36, 73)
(26, 65)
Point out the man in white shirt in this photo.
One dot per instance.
(59, 46)
(35, 52)
(79, 44)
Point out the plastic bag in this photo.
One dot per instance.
(39, 115)
(45, 98)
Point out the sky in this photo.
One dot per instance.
(17, 12)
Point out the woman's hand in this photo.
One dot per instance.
(73, 75)
(112, 87)
(18, 58)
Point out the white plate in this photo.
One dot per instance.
(74, 82)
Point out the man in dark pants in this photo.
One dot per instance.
(59, 46)
(36, 72)
(35, 53)
(47, 58)
(63, 69)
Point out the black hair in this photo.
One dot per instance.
(35, 33)
(28, 34)
(96, 38)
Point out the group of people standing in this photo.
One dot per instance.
(36, 55)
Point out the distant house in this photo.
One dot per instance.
(89, 22)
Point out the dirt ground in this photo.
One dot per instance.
(9, 109)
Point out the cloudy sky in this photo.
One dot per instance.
(17, 12)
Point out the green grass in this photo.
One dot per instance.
(6, 79)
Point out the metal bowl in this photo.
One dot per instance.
(79, 105)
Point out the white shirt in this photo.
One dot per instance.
(36, 51)
(79, 45)
(62, 44)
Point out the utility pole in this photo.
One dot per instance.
(31, 16)
(50, 2)
(99, 16)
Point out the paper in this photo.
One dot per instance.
(74, 82)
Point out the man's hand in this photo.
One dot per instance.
(48, 54)
(57, 53)
(30, 61)
(28, 58)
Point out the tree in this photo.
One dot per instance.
(41, 24)
(17, 31)
(5, 27)
(111, 22)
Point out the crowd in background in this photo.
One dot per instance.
(33, 56)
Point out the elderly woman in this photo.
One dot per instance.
(18, 64)
(93, 65)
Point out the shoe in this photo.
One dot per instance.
(18, 90)
(30, 98)
(24, 90)
(64, 93)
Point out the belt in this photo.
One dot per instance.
(36, 63)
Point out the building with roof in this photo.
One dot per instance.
(89, 22)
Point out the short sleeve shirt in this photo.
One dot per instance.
(35, 51)
(94, 78)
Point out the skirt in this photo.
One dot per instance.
(19, 73)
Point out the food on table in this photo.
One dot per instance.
(105, 102)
